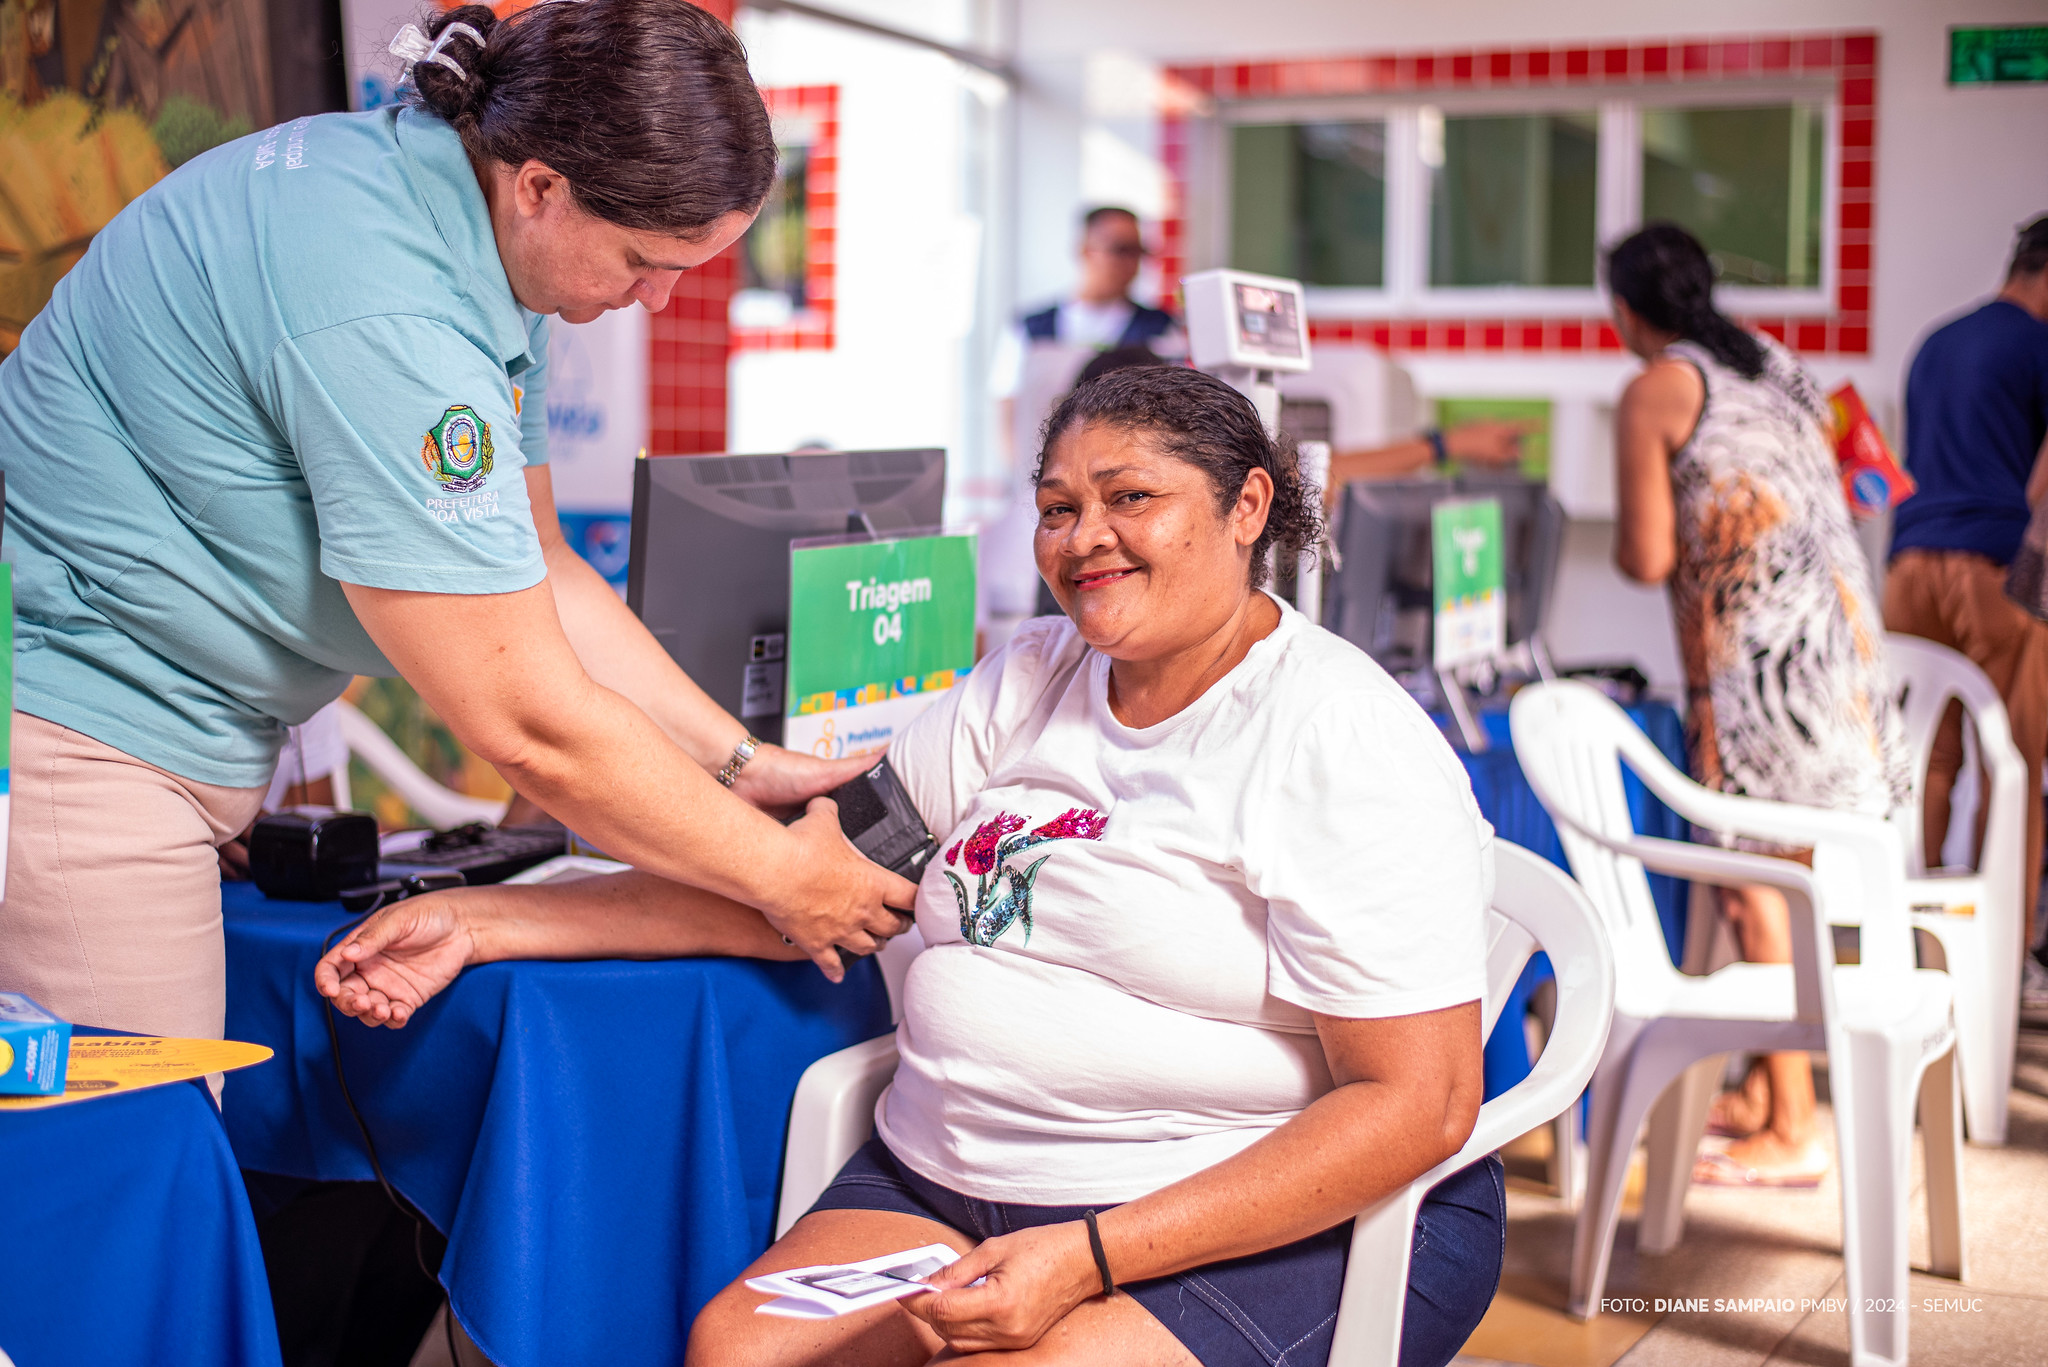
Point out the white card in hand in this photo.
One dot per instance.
(834, 1289)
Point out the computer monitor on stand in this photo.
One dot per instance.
(709, 573)
(1381, 597)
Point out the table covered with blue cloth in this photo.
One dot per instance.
(1506, 799)
(600, 1142)
(129, 1237)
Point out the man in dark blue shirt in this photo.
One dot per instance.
(1976, 421)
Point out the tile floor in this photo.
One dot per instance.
(1787, 1245)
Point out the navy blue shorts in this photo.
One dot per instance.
(1272, 1309)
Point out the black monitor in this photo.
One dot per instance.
(709, 572)
(1380, 599)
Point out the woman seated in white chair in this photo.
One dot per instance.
(1205, 951)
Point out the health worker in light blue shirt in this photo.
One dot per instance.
(284, 424)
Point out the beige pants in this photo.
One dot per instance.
(1957, 599)
(111, 914)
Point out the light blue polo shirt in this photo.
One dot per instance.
(294, 362)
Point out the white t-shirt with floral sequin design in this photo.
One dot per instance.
(1128, 928)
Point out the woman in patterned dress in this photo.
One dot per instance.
(1728, 492)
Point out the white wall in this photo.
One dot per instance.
(910, 249)
(1957, 170)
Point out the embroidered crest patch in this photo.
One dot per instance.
(457, 452)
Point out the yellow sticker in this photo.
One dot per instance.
(103, 1064)
(6, 1056)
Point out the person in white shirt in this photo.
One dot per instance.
(1099, 316)
(1204, 950)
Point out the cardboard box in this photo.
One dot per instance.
(34, 1048)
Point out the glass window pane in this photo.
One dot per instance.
(1746, 182)
(1511, 198)
(774, 254)
(1309, 201)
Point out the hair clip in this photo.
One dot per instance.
(412, 48)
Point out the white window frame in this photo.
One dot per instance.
(1618, 193)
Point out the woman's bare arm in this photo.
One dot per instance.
(389, 966)
(1483, 441)
(1407, 1095)
(1380, 462)
(1656, 416)
(501, 670)
(619, 653)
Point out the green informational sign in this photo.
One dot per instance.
(1997, 56)
(1469, 579)
(876, 629)
(1533, 412)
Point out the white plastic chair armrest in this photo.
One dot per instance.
(1509, 948)
(1572, 1051)
(1376, 1273)
(1812, 910)
(1782, 823)
(832, 1115)
(1711, 864)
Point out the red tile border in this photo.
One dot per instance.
(815, 328)
(687, 350)
(1850, 57)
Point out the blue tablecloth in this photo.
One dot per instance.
(600, 1142)
(128, 1236)
(1510, 804)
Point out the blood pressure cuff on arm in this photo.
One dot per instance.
(407, 435)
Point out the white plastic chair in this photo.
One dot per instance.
(1974, 914)
(1535, 906)
(1887, 1027)
(441, 806)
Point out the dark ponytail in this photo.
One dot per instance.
(1663, 274)
(1206, 423)
(645, 106)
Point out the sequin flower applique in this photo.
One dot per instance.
(1002, 895)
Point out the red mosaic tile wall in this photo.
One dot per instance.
(1851, 58)
(811, 330)
(687, 350)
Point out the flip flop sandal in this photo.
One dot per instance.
(1717, 1169)
(1719, 1127)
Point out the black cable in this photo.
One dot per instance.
(399, 1203)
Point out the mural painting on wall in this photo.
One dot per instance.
(99, 100)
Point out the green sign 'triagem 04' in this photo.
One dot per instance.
(876, 630)
(1997, 56)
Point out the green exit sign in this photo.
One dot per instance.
(1997, 56)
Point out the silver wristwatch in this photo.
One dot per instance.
(741, 753)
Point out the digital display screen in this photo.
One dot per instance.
(1268, 322)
